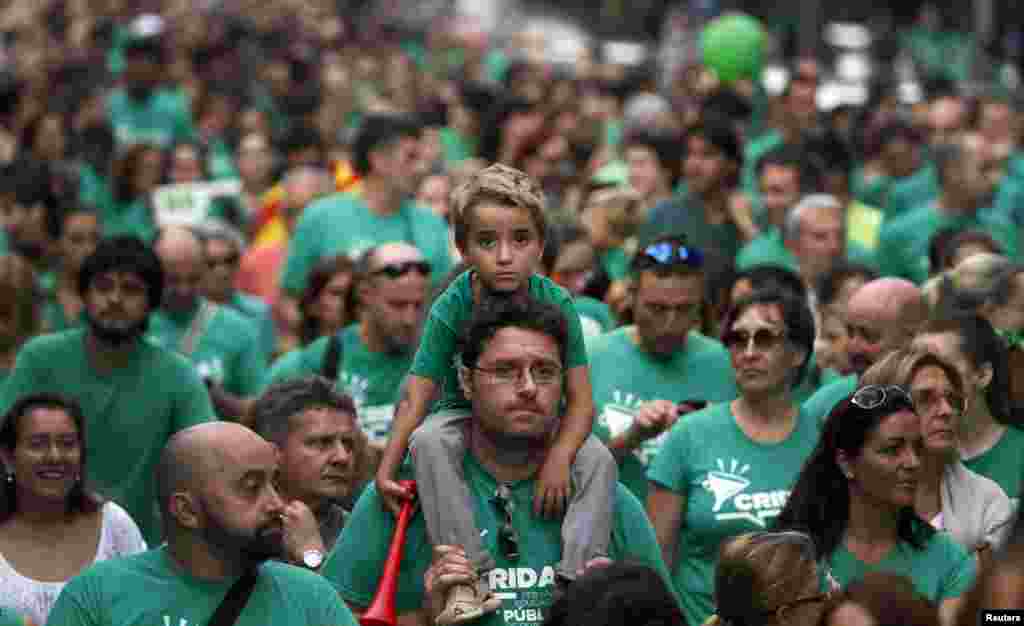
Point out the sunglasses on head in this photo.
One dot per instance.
(397, 270)
(871, 397)
(508, 536)
(668, 253)
(762, 339)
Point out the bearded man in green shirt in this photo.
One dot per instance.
(134, 394)
(225, 522)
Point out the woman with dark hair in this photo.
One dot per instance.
(992, 443)
(855, 497)
(880, 599)
(972, 508)
(20, 318)
(616, 594)
(51, 525)
(136, 172)
(327, 304)
(725, 470)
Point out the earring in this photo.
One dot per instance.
(10, 478)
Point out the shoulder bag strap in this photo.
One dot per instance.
(331, 365)
(190, 340)
(231, 606)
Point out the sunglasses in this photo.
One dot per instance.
(762, 339)
(667, 253)
(508, 536)
(873, 396)
(397, 270)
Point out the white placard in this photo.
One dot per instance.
(189, 203)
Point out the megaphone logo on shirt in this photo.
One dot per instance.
(725, 484)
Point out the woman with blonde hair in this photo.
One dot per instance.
(768, 578)
(973, 509)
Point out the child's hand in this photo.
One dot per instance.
(392, 493)
(553, 486)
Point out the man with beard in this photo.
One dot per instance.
(881, 316)
(134, 395)
(372, 357)
(644, 374)
(314, 428)
(224, 523)
(512, 370)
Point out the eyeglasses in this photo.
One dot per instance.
(231, 260)
(668, 253)
(397, 270)
(543, 374)
(873, 396)
(508, 536)
(762, 339)
(927, 400)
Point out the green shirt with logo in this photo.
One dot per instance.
(227, 350)
(372, 379)
(941, 570)
(1003, 463)
(730, 485)
(130, 412)
(161, 119)
(450, 316)
(624, 377)
(343, 224)
(151, 589)
(525, 586)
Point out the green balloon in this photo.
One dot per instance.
(733, 47)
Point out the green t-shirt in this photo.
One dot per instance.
(134, 217)
(615, 263)
(343, 224)
(130, 413)
(730, 485)
(258, 312)
(455, 147)
(1004, 463)
(372, 379)
(228, 350)
(150, 588)
(910, 192)
(525, 586)
(624, 376)
(10, 617)
(161, 119)
(596, 317)
(752, 154)
(903, 241)
(819, 405)
(684, 214)
(942, 570)
(769, 248)
(449, 317)
(873, 191)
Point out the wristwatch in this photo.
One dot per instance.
(313, 559)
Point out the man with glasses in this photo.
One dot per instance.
(223, 247)
(512, 371)
(881, 316)
(645, 375)
(222, 345)
(373, 356)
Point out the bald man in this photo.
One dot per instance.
(370, 359)
(221, 343)
(882, 316)
(223, 516)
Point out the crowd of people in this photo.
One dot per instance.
(685, 353)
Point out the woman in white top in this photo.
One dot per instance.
(51, 525)
(973, 509)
